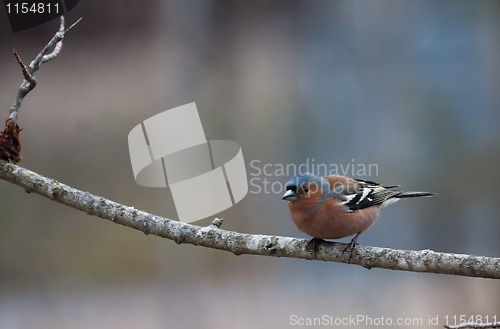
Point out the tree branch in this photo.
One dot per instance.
(241, 243)
(473, 325)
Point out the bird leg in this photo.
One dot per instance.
(314, 245)
(351, 246)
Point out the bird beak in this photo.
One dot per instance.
(290, 196)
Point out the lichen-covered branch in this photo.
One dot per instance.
(214, 237)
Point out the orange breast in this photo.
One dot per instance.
(332, 220)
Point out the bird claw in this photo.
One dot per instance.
(351, 246)
(314, 245)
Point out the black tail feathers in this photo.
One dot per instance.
(403, 195)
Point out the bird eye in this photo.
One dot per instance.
(305, 189)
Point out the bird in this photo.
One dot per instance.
(335, 207)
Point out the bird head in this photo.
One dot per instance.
(303, 186)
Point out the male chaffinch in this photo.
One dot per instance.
(334, 207)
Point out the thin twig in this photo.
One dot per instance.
(27, 76)
(43, 56)
(73, 25)
(58, 46)
(242, 243)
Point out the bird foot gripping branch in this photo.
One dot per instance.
(313, 246)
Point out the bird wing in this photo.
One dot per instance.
(360, 194)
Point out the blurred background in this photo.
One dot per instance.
(412, 87)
